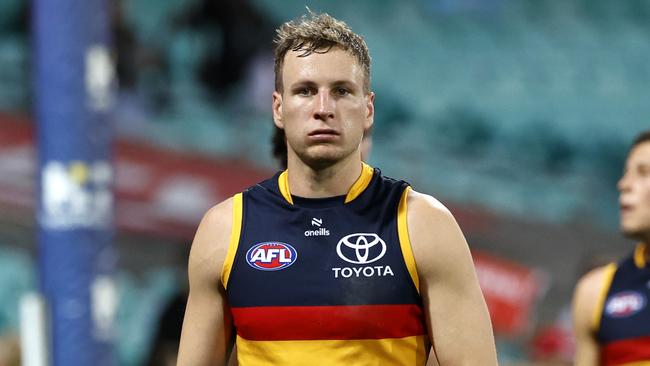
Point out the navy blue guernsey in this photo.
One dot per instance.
(624, 329)
(308, 274)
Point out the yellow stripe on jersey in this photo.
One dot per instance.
(610, 270)
(283, 184)
(640, 255)
(404, 241)
(409, 351)
(237, 209)
(362, 182)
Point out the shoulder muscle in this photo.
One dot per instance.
(211, 242)
(588, 295)
(435, 236)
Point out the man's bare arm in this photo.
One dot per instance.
(207, 328)
(585, 299)
(457, 318)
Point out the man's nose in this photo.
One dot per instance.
(623, 183)
(324, 108)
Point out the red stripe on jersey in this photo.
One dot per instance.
(626, 350)
(274, 323)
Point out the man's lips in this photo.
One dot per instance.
(625, 207)
(324, 132)
(323, 135)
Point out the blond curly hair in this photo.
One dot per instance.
(318, 33)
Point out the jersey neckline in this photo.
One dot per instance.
(355, 191)
(640, 255)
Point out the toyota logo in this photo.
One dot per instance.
(357, 248)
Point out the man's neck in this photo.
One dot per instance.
(335, 180)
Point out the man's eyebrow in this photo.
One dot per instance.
(299, 83)
(346, 83)
(637, 165)
(343, 82)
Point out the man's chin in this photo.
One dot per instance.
(633, 233)
(322, 159)
(319, 164)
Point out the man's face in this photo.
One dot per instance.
(323, 108)
(634, 189)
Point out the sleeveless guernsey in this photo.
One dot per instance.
(623, 316)
(324, 281)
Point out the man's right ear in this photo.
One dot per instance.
(277, 109)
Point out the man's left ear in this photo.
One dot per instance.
(370, 109)
(277, 109)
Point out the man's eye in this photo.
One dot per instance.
(341, 91)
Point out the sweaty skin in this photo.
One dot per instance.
(324, 110)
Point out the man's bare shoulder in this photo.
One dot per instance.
(219, 215)
(588, 297)
(212, 239)
(590, 286)
(424, 207)
(435, 236)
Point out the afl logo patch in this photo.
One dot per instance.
(271, 256)
(625, 304)
(361, 248)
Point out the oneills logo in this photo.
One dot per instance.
(321, 231)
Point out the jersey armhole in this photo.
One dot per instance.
(610, 270)
(405, 241)
(237, 209)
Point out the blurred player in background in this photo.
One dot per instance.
(329, 262)
(610, 305)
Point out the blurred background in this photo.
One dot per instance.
(516, 114)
